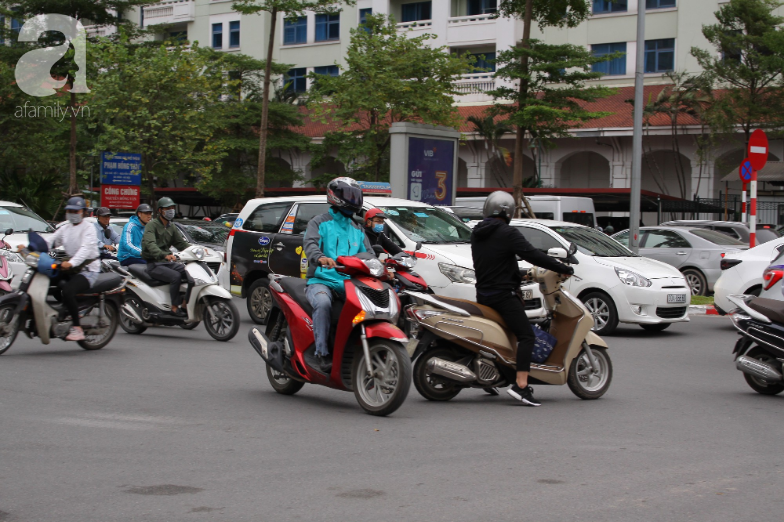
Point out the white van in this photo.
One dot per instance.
(559, 208)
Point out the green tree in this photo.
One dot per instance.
(554, 98)
(292, 9)
(158, 100)
(747, 61)
(546, 13)
(390, 77)
(240, 116)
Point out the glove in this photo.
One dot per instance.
(568, 271)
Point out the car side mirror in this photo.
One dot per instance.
(558, 253)
(572, 249)
(418, 246)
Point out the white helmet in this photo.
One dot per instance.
(499, 204)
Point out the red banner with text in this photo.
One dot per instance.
(120, 196)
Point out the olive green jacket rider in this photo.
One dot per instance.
(159, 238)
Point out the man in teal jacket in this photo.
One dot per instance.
(329, 236)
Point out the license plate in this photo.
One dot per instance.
(676, 298)
(528, 294)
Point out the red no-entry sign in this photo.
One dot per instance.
(758, 149)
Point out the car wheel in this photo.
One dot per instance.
(603, 311)
(259, 301)
(696, 281)
(754, 290)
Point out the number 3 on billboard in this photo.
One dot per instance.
(441, 192)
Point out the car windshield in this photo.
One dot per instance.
(207, 234)
(22, 220)
(717, 238)
(592, 242)
(428, 224)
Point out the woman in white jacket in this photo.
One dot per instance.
(80, 243)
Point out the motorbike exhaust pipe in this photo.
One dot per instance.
(451, 370)
(759, 369)
(131, 313)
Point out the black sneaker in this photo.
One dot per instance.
(181, 313)
(524, 395)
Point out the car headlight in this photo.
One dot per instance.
(630, 278)
(375, 267)
(12, 257)
(458, 274)
(199, 253)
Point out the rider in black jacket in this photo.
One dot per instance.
(375, 231)
(494, 246)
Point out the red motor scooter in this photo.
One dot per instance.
(368, 349)
(405, 279)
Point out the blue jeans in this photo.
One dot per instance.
(320, 298)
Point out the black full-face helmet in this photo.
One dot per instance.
(345, 194)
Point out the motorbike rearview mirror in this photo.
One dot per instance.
(378, 249)
(9, 231)
(572, 249)
(107, 233)
(558, 253)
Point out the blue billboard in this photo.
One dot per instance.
(121, 168)
(431, 176)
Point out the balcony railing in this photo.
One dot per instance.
(471, 19)
(419, 24)
(478, 83)
(170, 12)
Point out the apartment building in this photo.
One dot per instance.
(595, 156)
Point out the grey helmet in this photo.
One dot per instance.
(499, 204)
(144, 207)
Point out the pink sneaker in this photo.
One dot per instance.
(76, 334)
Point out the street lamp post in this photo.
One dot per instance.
(639, 100)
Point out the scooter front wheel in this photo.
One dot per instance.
(221, 319)
(588, 383)
(385, 390)
(9, 327)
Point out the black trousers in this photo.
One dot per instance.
(77, 284)
(510, 306)
(174, 274)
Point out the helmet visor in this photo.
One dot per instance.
(351, 195)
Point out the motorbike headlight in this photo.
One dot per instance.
(199, 253)
(31, 260)
(375, 267)
(408, 262)
(458, 274)
(630, 278)
(12, 257)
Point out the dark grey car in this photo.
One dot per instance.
(734, 229)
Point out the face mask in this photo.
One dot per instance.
(378, 228)
(74, 219)
(169, 214)
(346, 212)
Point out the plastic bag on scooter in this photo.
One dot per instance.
(543, 346)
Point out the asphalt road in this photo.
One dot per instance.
(171, 426)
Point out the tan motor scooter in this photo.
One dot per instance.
(463, 344)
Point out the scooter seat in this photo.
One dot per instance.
(773, 309)
(104, 283)
(474, 309)
(140, 273)
(295, 287)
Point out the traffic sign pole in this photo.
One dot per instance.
(753, 213)
(743, 205)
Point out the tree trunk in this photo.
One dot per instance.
(72, 187)
(265, 94)
(517, 177)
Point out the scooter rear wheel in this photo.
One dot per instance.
(430, 387)
(283, 384)
(758, 385)
(125, 323)
(386, 389)
(7, 319)
(96, 342)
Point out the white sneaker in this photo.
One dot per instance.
(75, 334)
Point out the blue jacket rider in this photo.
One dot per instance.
(130, 249)
(329, 236)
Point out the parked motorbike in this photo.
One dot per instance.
(148, 301)
(32, 310)
(5, 271)
(466, 345)
(368, 349)
(760, 350)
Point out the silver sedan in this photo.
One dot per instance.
(696, 252)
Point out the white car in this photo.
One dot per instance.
(18, 220)
(616, 285)
(741, 273)
(267, 238)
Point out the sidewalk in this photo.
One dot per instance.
(702, 310)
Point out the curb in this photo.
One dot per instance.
(702, 310)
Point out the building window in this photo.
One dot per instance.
(327, 27)
(613, 67)
(295, 31)
(16, 25)
(234, 34)
(609, 6)
(363, 14)
(327, 70)
(417, 11)
(217, 36)
(485, 62)
(479, 7)
(297, 81)
(660, 55)
(659, 4)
